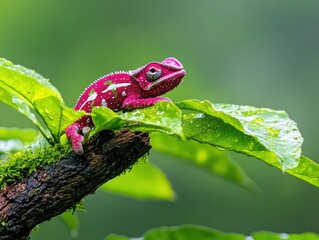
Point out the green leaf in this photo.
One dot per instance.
(204, 156)
(71, 221)
(25, 83)
(307, 170)
(22, 107)
(144, 181)
(105, 118)
(162, 117)
(24, 89)
(14, 139)
(206, 129)
(191, 232)
(272, 132)
(56, 115)
(263, 133)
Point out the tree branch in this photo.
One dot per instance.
(52, 190)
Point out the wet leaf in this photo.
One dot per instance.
(307, 170)
(105, 118)
(56, 115)
(27, 91)
(269, 128)
(25, 83)
(207, 129)
(22, 107)
(203, 156)
(144, 181)
(162, 117)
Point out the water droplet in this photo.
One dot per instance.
(273, 131)
(7, 62)
(199, 115)
(258, 120)
(284, 235)
(220, 148)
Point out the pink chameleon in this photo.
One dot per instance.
(124, 91)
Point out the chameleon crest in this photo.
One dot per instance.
(118, 91)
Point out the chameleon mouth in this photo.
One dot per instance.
(173, 78)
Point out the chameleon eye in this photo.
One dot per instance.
(153, 73)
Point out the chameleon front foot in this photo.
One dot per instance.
(76, 139)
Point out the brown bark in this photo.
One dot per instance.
(57, 187)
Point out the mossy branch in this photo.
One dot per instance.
(52, 190)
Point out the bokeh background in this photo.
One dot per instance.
(260, 53)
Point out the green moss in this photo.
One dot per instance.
(21, 164)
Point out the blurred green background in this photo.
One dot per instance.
(260, 53)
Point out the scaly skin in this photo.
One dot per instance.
(124, 91)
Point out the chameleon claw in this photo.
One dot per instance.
(72, 132)
(77, 144)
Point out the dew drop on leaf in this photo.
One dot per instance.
(220, 148)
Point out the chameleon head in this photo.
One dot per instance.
(157, 78)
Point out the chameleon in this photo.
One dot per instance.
(123, 91)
